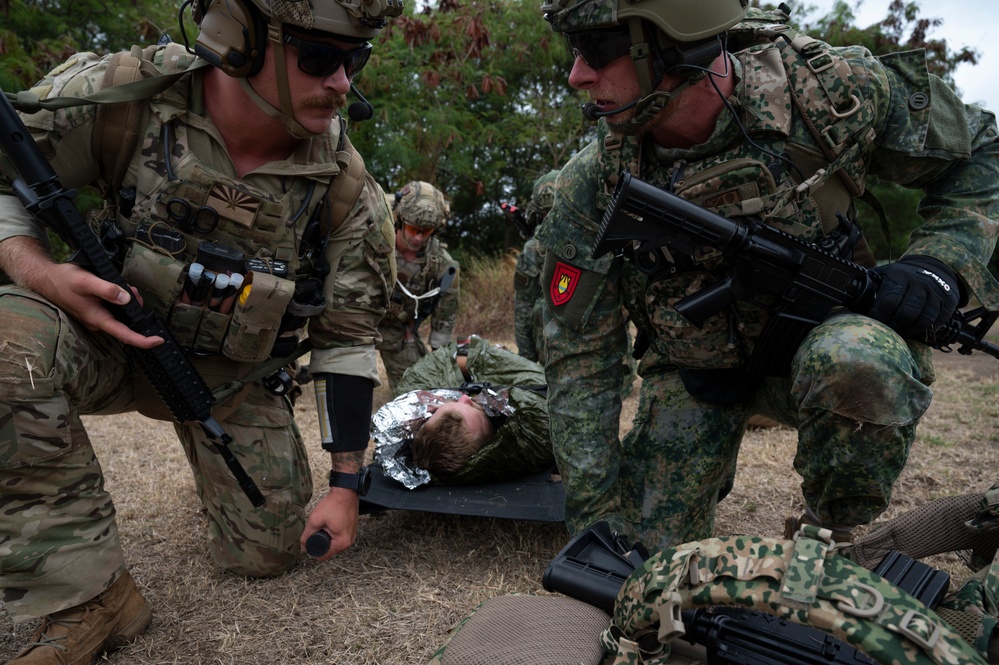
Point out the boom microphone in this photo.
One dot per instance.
(592, 112)
(362, 110)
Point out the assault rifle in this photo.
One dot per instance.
(594, 565)
(519, 218)
(646, 224)
(170, 371)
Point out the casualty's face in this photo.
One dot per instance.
(472, 414)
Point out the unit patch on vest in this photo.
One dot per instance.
(233, 204)
(564, 281)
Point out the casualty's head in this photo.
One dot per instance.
(451, 436)
(659, 37)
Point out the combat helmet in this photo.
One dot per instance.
(679, 36)
(542, 199)
(234, 35)
(422, 205)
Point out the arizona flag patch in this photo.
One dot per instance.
(563, 284)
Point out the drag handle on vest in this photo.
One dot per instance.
(801, 282)
(170, 371)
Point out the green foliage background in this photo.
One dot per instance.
(471, 95)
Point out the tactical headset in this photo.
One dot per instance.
(233, 36)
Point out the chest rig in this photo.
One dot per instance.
(416, 281)
(810, 130)
(229, 264)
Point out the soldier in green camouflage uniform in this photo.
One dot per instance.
(263, 146)
(527, 295)
(744, 116)
(424, 265)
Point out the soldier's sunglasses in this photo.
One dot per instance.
(322, 59)
(599, 48)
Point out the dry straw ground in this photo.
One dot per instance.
(394, 596)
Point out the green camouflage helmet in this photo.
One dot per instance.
(422, 205)
(681, 20)
(542, 198)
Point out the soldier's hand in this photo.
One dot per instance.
(83, 296)
(336, 514)
(917, 294)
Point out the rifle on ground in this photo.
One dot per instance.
(645, 223)
(595, 564)
(170, 371)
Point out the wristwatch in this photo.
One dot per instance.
(359, 482)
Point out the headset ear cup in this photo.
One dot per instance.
(233, 37)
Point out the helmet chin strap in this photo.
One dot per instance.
(286, 114)
(647, 108)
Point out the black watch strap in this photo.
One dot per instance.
(359, 482)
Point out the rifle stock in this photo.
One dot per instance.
(170, 371)
(645, 223)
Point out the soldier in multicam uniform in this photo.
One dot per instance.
(427, 285)
(256, 147)
(744, 116)
(527, 295)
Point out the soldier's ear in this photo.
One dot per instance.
(233, 36)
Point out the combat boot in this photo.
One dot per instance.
(76, 635)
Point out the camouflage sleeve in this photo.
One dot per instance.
(526, 292)
(361, 259)
(63, 136)
(445, 315)
(931, 140)
(585, 341)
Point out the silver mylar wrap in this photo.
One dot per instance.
(395, 424)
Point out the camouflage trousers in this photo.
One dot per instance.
(399, 353)
(60, 545)
(855, 393)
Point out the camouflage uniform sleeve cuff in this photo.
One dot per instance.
(353, 361)
(971, 270)
(16, 221)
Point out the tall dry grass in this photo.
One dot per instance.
(487, 297)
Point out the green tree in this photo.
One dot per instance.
(470, 96)
(37, 35)
(902, 29)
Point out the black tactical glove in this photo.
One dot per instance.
(917, 294)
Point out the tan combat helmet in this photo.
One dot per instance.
(678, 36)
(234, 35)
(422, 205)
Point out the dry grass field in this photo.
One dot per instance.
(394, 596)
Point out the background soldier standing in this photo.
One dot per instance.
(527, 296)
(245, 169)
(427, 285)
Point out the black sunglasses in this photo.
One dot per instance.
(599, 48)
(322, 59)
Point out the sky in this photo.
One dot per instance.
(971, 23)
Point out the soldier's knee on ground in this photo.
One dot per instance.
(255, 542)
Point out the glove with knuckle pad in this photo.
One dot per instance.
(917, 294)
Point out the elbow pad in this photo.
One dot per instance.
(344, 406)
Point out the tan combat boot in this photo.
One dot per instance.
(76, 635)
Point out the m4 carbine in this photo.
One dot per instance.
(170, 371)
(808, 280)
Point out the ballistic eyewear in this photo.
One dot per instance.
(599, 48)
(323, 59)
(418, 230)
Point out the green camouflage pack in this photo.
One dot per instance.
(803, 581)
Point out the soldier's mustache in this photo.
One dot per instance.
(335, 100)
